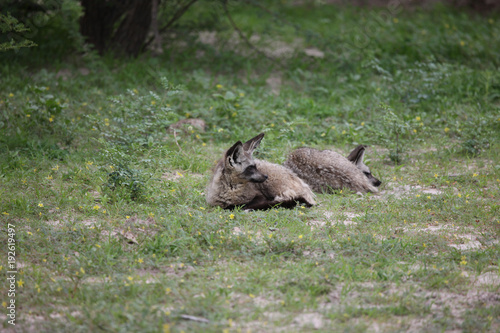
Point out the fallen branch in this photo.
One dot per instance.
(193, 318)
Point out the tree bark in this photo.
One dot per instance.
(132, 32)
(157, 49)
(100, 18)
(98, 21)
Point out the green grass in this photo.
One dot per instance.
(113, 232)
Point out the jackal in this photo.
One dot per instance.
(240, 180)
(326, 170)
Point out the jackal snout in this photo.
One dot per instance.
(374, 180)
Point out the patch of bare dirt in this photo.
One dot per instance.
(33, 322)
(467, 242)
(189, 124)
(274, 82)
(456, 303)
(310, 320)
(334, 218)
(272, 48)
(439, 302)
(133, 230)
(315, 53)
(488, 279)
(405, 191)
(459, 237)
(253, 236)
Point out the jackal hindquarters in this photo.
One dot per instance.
(326, 170)
(240, 180)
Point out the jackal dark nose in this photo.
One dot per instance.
(377, 183)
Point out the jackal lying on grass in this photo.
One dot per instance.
(326, 170)
(240, 180)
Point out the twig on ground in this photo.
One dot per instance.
(193, 318)
(177, 143)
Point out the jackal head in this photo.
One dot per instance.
(240, 162)
(356, 157)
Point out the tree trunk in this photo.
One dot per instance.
(133, 30)
(100, 18)
(154, 27)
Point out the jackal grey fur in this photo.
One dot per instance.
(240, 180)
(326, 170)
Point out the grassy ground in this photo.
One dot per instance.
(112, 229)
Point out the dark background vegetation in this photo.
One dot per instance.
(129, 27)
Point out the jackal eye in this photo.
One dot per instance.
(366, 173)
(251, 168)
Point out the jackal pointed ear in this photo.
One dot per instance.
(234, 153)
(356, 156)
(253, 143)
